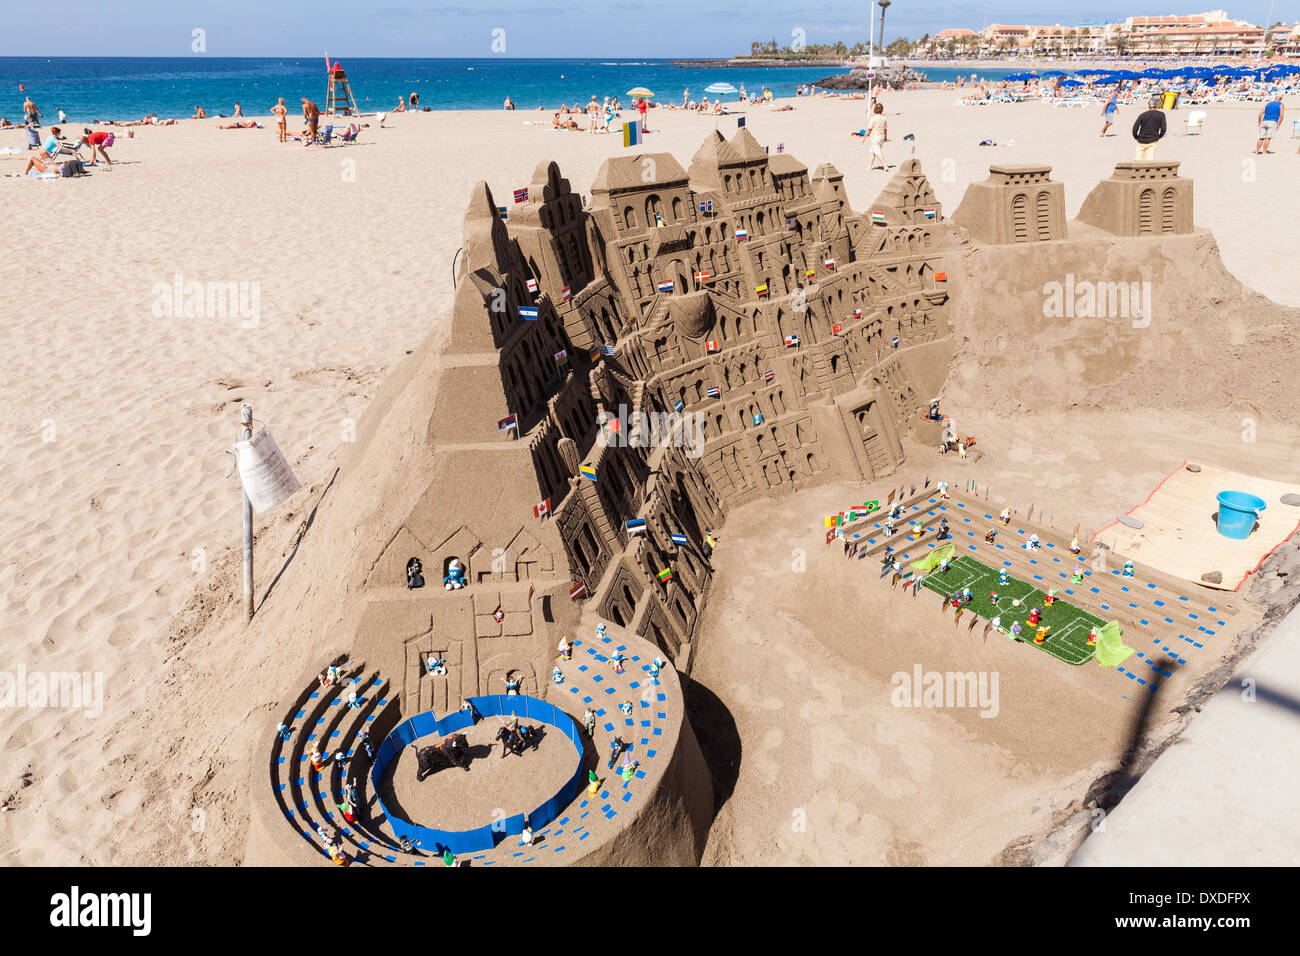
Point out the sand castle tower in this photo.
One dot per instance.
(1141, 199)
(1015, 204)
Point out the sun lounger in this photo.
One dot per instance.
(1195, 123)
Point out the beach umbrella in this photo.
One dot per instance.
(639, 91)
(720, 88)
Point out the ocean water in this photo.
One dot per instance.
(90, 88)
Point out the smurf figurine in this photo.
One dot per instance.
(1003, 578)
(455, 578)
(1128, 569)
(557, 675)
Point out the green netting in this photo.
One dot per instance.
(1111, 649)
(935, 558)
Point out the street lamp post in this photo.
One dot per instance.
(883, 4)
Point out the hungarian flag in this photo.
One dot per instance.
(577, 591)
(768, 376)
(715, 392)
(792, 340)
(521, 194)
(666, 286)
(508, 423)
(711, 345)
(665, 575)
(878, 218)
(564, 294)
(532, 286)
(761, 289)
(837, 328)
(702, 277)
(587, 471)
(542, 508)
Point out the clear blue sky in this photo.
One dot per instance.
(533, 28)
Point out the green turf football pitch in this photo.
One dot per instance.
(1068, 638)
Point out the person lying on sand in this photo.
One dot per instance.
(245, 124)
(5, 124)
(563, 124)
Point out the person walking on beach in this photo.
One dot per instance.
(1270, 118)
(311, 115)
(31, 114)
(686, 97)
(642, 107)
(1149, 129)
(1108, 113)
(877, 133)
(593, 115)
(281, 114)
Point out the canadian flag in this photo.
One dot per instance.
(542, 508)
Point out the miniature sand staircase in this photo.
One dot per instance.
(338, 97)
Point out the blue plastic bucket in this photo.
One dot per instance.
(1238, 512)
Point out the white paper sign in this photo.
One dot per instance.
(266, 476)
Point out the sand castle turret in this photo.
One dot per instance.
(1015, 204)
(1141, 199)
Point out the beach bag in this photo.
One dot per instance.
(73, 167)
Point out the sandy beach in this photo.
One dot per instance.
(123, 511)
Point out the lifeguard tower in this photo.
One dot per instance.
(339, 100)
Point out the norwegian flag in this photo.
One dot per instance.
(837, 328)
(702, 277)
(768, 376)
(792, 340)
(564, 294)
(711, 345)
(521, 194)
(715, 392)
(577, 591)
(542, 508)
(532, 286)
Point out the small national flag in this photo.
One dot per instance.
(829, 263)
(871, 505)
(792, 340)
(830, 536)
(780, 147)
(857, 313)
(790, 223)
(678, 405)
(542, 508)
(930, 213)
(606, 349)
(521, 194)
(509, 423)
(758, 419)
(831, 521)
(577, 591)
(562, 357)
(715, 392)
(666, 286)
(702, 276)
(761, 289)
(587, 471)
(498, 615)
(706, 205)
(528, 313)
(635, 526)
(503, 212)
(678, 538)
(595, 355)
(890, 500)
(837, 328)
(631, 134)
(742, 234)
(711, 345)
(878, 218)
(532, 286)
(768, 376)
(611, 424)
(809, 273)
(564, 294)
(941, 277)
(665, 575)
(740, 121)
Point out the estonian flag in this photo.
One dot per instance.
(636, 526)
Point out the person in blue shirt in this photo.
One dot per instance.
(1270, 118)
(1108, 114)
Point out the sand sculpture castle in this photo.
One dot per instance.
(616, 375)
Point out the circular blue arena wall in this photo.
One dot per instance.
(485, 837)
